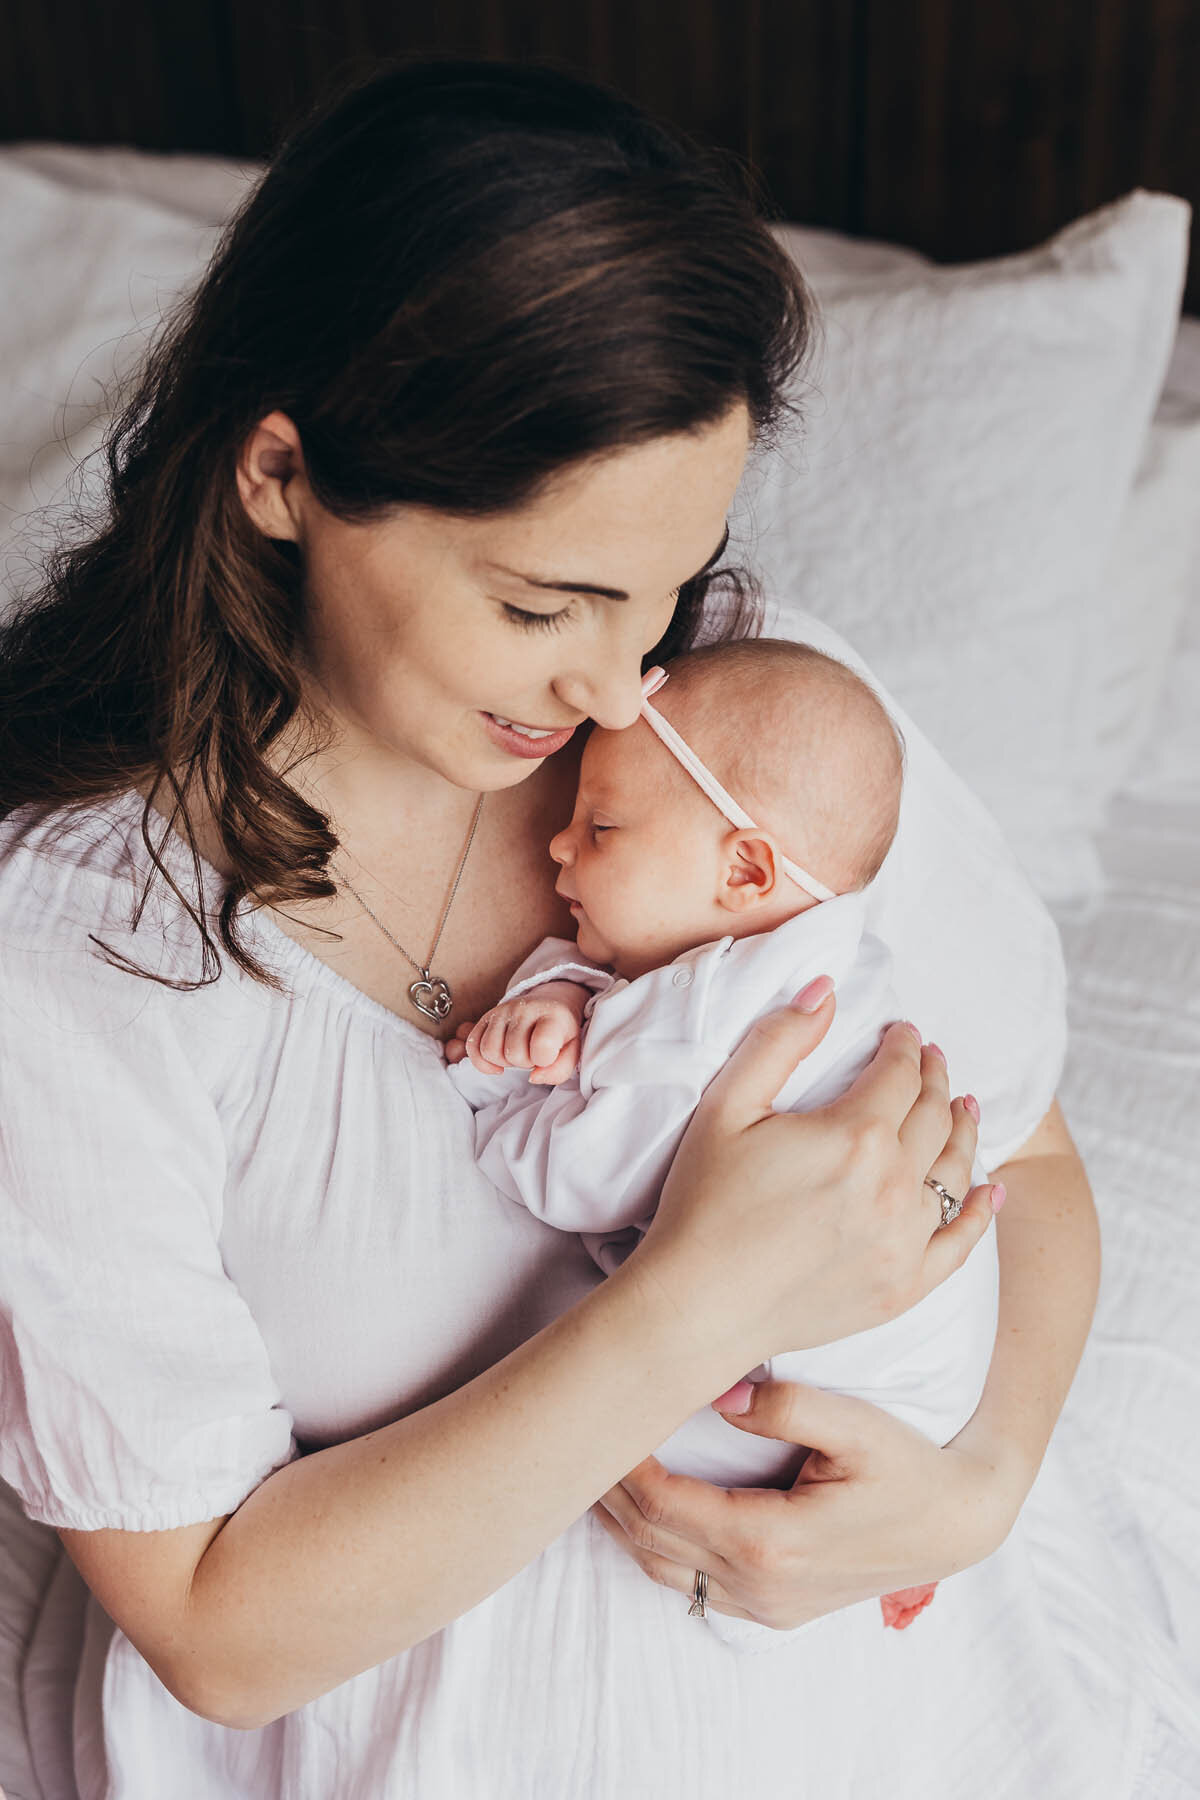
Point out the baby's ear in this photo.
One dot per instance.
(750, 870)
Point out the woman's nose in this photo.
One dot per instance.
(612, 697)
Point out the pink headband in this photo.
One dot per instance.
(704, 778)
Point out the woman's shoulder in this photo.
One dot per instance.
(74, 897)
(94, 937)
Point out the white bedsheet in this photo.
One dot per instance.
(1132, 1097)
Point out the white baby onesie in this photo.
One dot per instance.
(591, 1155)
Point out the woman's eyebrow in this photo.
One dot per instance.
(605, 593)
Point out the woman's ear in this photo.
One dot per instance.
(271, 458)
(749, 870)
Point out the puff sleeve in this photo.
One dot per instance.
(135, 1388)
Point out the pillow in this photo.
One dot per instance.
(1168, 766)
(950, 502)
(1153, 574)
(94, 245)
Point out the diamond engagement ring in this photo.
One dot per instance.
(951, 1207)
(699, 1595)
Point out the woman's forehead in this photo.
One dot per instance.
(632, 521)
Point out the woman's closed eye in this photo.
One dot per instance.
(535, 621)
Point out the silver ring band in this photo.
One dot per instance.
(951, 1207)
(699, 1595)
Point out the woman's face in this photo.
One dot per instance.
(450, 640)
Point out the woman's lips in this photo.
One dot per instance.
(518, 744)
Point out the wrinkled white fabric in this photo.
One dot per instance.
(278, 1189)
(591, 1154)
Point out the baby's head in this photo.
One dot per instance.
(650, 864)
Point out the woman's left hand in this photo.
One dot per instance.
(877, 1507)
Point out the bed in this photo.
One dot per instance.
(1090, 757)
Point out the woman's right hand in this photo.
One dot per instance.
(786, 1230)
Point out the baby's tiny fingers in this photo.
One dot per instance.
(489, 1039)
(550, 1032)
(516, 1042)
(564, 1064)
(477, 1047)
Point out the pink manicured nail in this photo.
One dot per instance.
(999, 1196)
(937, 1050)
(813, 997)
(910, 1027)
(737, 1399)
(972, 1106)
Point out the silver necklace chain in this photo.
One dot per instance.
(431, 994)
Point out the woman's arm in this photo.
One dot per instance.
(877, 1507)
(352, 1554)
(346, 1557)
(1049, 1243)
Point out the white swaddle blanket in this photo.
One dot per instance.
(591, 1155)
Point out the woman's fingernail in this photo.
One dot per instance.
(999, 1196)
(812, 998)
(737, 1399)
(972, 1106)
(910, 1027)
(937, 1050)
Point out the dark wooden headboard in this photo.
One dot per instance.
(965, 127)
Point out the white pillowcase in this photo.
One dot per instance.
(951, 500)
(1153, 575)
(1168, 766)
(94, 246)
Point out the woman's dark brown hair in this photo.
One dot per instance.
(455, 278)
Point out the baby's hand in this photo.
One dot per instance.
(538, 1031)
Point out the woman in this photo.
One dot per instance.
(440, 455)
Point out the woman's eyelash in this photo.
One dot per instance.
(536, 621)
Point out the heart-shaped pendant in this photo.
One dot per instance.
(431, 996)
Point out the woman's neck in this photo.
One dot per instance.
(352, 776)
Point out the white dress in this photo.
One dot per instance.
(238, 1222)
(591, 1154)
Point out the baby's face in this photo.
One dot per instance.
(641, 858)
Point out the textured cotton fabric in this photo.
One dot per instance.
(240, 1222)
(952, 496)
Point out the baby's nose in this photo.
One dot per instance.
(560, 847)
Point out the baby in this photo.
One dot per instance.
(693, 919)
